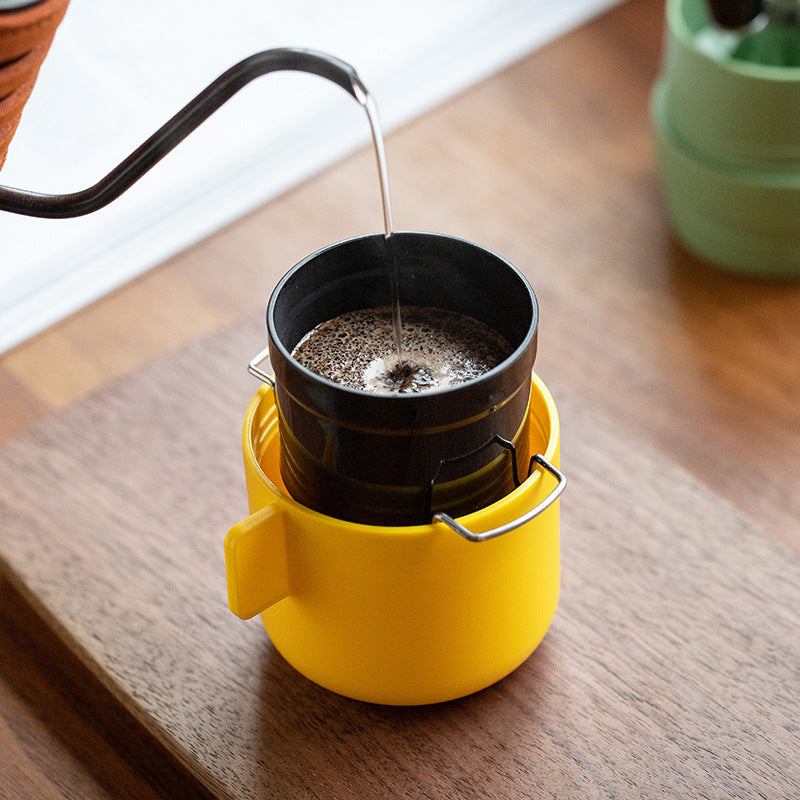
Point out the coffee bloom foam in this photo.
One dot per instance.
(440, 348)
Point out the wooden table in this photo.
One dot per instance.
(672, 667)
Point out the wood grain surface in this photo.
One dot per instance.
(114, 516)
(672, 666)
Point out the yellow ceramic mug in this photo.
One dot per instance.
(398, 615)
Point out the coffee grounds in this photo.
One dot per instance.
(440, 348)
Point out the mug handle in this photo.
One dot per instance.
(256, 566)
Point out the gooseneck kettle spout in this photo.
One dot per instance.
(123, 176)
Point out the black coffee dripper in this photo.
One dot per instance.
(403, 458)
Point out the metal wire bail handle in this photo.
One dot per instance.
(259, 373)
(519, 521)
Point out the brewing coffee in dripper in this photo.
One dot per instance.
(397, 459)
(440, 349)
(402, 458)
(404, 616)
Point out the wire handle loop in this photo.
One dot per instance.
(525, 518)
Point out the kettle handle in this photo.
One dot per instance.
(173, 132)
(519, 521)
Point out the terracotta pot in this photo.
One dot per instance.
(22, 29)
(6, 134)
(14, 73)
(26, 33)
(11, 106)
(11, 113)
